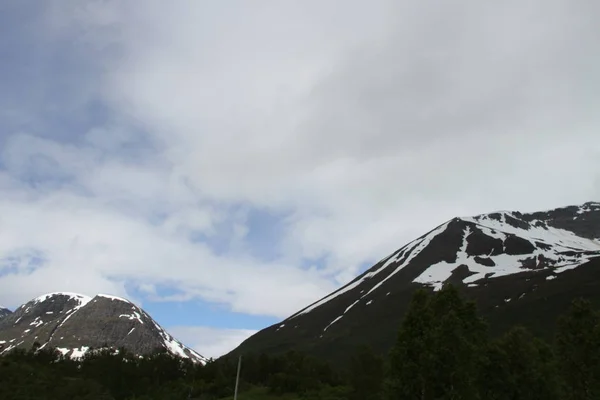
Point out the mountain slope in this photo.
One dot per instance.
(74, 323)
(515, 265)
(4, 312)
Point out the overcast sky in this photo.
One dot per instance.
(225, 163)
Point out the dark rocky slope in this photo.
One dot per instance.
(520, 268)
(4, 312)
(74, 324)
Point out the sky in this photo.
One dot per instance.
(224, 164)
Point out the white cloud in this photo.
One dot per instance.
(208, 341)
(365, 124)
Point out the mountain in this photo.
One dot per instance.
(520, 268)
(74, 324)
(4, 312)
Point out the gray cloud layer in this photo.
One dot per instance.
(365, 124)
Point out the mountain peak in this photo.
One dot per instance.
(115, 298)
(82, 299)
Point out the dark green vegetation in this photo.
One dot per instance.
(443, 350)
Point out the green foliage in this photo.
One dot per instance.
(443, 352)
(365, 375)
(438, 352)
(519, 366)
(578, 351)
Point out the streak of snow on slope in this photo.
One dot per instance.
(409, 252)
(412, 253)
(340, 317)
(333, 322)
(83, 300)
(391, 259)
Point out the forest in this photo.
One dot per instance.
(443, 351)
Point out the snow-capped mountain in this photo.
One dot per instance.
(4, 312)
(510, 262)
(73, 324)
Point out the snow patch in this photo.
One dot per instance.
(111, 297)
(176, 348)
(134, 315)
(73, 296)
(410, 252)
(79, 352)
(560, 254)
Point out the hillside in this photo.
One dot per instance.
(4, 312)
(521, 268)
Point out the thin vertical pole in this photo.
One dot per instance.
(237, 379)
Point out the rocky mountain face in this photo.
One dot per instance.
(74, 324)
(520, 268)
(4, 312)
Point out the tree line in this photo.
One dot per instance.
(443, 351)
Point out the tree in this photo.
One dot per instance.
(519, 366)
(458, 338)
(366, 375)
(405, 376)
(578, 351)
(439, 349)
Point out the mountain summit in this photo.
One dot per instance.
(73, 324)
(515, 265)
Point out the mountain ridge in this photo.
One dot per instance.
(4, 312)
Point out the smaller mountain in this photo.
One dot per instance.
(4, 312)
(74, 324)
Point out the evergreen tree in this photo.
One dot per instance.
(408, 360)
(578, 351)
(458, 339)
(519, 366)
(366, 375)
(439, 349)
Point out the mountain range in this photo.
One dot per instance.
(75, 324)
(520, 268)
